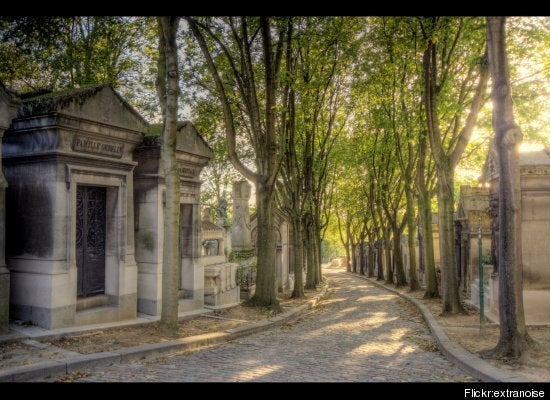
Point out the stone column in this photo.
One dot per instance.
(8, 111)
(240, 231)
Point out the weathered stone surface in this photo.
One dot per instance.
(58, 143)
(220, 283)
(240, 230)
(284, 252)
(535, 230)
(8, 111)
(192, 153)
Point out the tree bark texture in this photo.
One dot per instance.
(514, 339)
(169, 91)
(298, 260)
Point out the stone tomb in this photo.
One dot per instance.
(284, 256)
(240, 229)
(192, 153)
(535, 232)
(8, 111)
(473, 209)
(220, 280)
(68, 164)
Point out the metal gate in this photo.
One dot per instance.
(90, 240)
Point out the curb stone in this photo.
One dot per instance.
(69, 365)
(455, 353)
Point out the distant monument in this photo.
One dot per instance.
(220, 277)
(240, 231)
(222, 212)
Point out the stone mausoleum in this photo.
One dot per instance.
(192, 154)
(284, 251)
(535, 232)
(8, 111)
(85, 199)
(472, 213)
(68, 162)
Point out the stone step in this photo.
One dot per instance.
(92, 302)
(97, 315)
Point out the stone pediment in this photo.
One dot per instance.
(96, 103)
(473, 199)
(531, 163)
(539, 157)
(189, 140)
(279, 217)
(535, 162)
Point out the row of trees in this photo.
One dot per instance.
(282, 86)
(423, 88)
(294, 86)
(351, 124)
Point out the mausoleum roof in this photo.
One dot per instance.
(154, 132)
(73, 101)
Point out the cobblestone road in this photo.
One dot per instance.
(359, 333)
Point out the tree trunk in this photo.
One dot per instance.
(425, 219)
(387, 252)
(411, 227)
(266, 290)
(379, 260)
(263, 133)
(348, 243)
(370, 261)
(353, 257)
(348, 258)
(317, 236)
(446, 158)
(362, 261)
(298, 291)
(345, 243)
(168, 91)
(401, 279)
(425, 213)
(310, 250)
(449, 282)
(514, 339)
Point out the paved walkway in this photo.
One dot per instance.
(358, 333)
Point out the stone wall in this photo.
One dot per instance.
(8, 111)
(535, 231)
